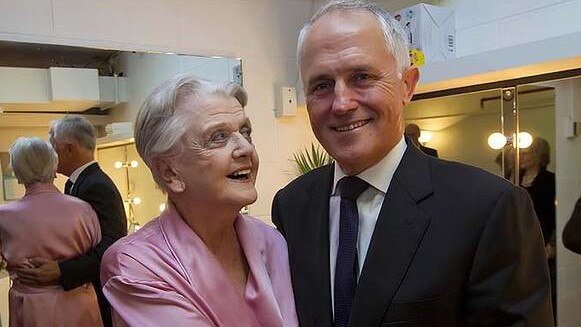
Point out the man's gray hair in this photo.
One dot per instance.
(395, 38)
(33, 160)
(160, 125)
(74, 127)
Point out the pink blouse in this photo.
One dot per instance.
(164, 274)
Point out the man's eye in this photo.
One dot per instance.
(320, 87)
(361, 77)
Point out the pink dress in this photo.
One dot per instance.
(164, 275)
(48, 224)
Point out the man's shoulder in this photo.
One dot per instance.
(95, 177)
(450, 175)
(144, 242)
(307, 181)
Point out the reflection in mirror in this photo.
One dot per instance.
(39, 83)
(469, 128)
(460, 126)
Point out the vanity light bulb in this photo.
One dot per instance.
(118, 164)
(136, 200)
(425, 137)
(524, 140)
(496, 141)
(134, 163)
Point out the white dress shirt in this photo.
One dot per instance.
(368, 206)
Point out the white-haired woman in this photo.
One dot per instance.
(46, 223)
(200, 263)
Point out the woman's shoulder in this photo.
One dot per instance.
(267, 231)
(143, 242)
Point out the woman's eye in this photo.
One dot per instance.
(246, 132)
(219, 136)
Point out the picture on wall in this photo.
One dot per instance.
(12, 190)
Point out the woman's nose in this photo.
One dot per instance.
(243, 147)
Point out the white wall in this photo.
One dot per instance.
(483, 25)
(568, 178)
(260, 32)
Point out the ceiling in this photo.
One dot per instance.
(30, 55)
(33, 55)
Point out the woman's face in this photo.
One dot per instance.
(529, 158)
(218, 164)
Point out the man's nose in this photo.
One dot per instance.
(345, 99)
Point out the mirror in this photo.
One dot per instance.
(40, 83)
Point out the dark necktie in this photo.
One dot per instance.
(347, 266)
(68, 186)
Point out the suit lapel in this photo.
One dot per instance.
(315, 250)
(86, 172)
(396, 237)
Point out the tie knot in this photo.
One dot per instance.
(351, 187)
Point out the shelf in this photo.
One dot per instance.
(547, 56)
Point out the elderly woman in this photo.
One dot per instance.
(46, 223)
(200, 263)
(540, 184)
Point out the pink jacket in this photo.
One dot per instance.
(46, 223)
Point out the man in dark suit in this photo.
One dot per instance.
(412, 131)
(387, 236)
(73, 138)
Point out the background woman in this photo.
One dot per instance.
(200, 263)
(46, 223)
(540, 184)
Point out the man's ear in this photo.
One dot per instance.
(168, 175)
(69, 148)
(410, 78)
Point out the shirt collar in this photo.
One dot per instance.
(75, 175)
(379, 175)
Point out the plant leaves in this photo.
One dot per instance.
(309, 159)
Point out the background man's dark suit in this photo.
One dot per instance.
(96, 188)
(453, 246)
(429, 151)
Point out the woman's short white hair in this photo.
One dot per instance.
(33, 160)
(395, 38)
(159, 125)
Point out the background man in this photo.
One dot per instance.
(73, 138)
(387, 235)
(412, 131)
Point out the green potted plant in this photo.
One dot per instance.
(309, 159)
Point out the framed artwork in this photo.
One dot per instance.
(12, 190)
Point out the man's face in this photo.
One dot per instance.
(62, 149)
(355, 97)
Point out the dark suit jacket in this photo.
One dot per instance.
(453, 246)
(572, 230)
(542, 192)
(429, 151)
(96, 188)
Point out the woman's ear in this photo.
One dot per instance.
(410, 78)
(168, 176)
